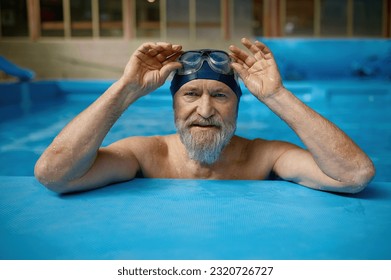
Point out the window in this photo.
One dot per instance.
(148, 18)
(13, 18)
(52, 18)
(178, 19)
(257, 12)
(333, 20)
(208, 19)
(81, 18)
(243, 23)
(110, 18)
(368, 17)
(194, 19)
(299, 19)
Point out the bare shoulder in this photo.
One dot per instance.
(255, 158)
(265, 149)
(142, 145)
(151, 153)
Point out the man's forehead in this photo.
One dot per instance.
(212, 85)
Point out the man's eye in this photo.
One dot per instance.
(219, 95)
(191, 93)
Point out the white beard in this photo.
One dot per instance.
(205, 145)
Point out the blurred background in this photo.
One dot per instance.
(94, 38)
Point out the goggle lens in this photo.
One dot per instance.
(191, 58)
(219, 57)
(192, 61)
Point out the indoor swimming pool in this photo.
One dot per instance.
(346, 81)
(191, 219)
(38, 112)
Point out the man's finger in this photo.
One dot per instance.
(168, 68)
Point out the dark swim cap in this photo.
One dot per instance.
(206, 72)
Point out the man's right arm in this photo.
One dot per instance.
(74, 160)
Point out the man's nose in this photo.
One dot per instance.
(205, 106)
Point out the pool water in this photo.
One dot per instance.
(359, 108)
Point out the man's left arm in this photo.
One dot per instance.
(333, 161)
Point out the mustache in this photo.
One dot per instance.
(195, 120)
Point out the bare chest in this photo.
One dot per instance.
(186, 169)
(238, 162)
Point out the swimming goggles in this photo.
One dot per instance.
(192, 61)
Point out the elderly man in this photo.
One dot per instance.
(206, 94)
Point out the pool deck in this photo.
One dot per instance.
(193, 219)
